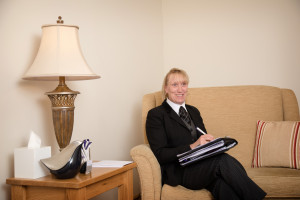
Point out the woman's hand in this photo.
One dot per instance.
(203, 139)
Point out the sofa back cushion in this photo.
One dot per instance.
(231, 111)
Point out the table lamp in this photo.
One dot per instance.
(59, 58)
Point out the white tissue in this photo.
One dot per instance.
(34, 141)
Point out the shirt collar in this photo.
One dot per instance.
(175, 106)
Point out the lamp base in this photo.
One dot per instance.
(62, 99)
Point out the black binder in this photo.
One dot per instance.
(214, 147)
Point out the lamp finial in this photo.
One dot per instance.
(60, 21)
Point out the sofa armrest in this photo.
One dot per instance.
(149, 171)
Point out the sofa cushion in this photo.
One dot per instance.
(277, 144)
(277, 182)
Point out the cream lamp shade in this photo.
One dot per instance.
(59, 55)
(59, 58)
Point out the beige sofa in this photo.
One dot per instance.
(227, 111)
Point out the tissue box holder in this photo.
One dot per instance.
(27, 162)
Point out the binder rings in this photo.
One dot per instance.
(214, 147)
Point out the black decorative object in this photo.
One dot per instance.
(67, 163)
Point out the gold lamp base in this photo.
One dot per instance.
(62, 99)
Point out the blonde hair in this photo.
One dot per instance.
(166, 79)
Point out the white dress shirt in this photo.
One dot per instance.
(175, 106)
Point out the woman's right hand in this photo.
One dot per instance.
(203, 139)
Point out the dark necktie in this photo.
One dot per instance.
(184, 115)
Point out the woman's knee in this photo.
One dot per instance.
(231, 162)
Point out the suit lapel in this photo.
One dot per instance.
(193, 115)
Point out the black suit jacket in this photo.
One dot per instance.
(168, 136)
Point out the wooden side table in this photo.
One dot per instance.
(81, 187)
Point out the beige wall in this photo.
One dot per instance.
(234, 42)
(131, 44)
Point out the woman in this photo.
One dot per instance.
(170, 134)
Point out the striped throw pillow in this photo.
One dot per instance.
(277, 144)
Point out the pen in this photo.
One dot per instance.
(200, 130)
